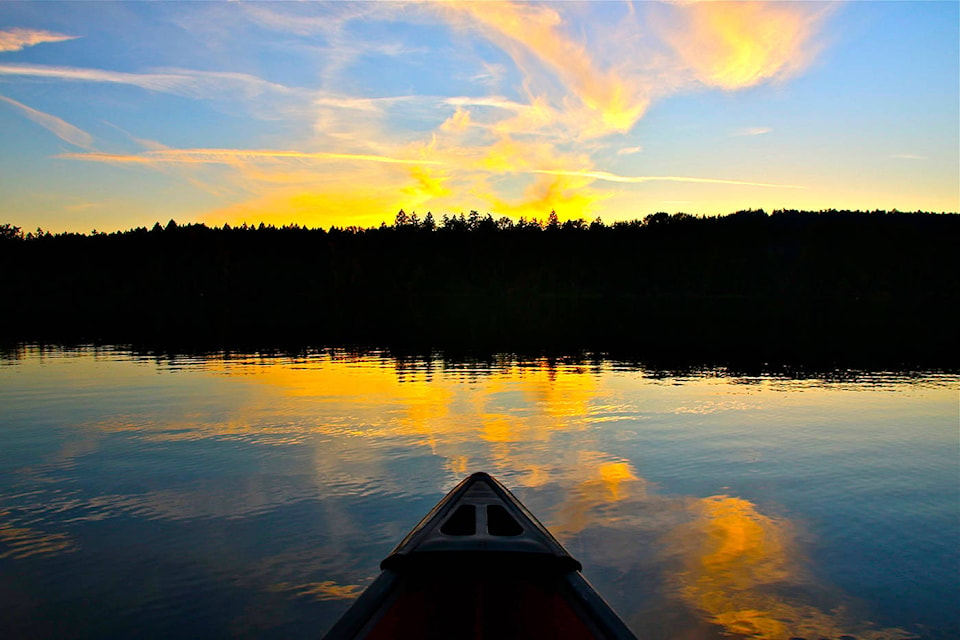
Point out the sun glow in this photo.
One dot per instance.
(516, 108)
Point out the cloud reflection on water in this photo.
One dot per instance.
(19, 542)
(739, 565)
(359, 431)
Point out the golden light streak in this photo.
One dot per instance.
(323, 591)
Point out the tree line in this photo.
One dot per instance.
(779, 285)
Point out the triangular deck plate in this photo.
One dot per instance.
(480, 514)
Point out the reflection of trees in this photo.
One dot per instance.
(796, 282)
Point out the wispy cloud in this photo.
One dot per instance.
(184, 82)
(305, 19)
(732, 45)
(58, 127)
(907, 156)
(492, 74)
(557, 98)
(231, 156)
(586, 91)
(611, 177)
(16, 39)
(498, 102)
(532, 35)
(82, 206)
(751, 131)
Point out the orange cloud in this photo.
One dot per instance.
(733, 45)
(613, 102)
(17, 39)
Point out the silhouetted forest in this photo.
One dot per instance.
(831, 285)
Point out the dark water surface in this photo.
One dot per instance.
(253, 496)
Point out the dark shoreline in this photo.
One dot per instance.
(873, 290)
(865, 335)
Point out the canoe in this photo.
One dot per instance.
(480, 565)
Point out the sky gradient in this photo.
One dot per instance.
(117, 115)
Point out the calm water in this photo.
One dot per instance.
(253, 496)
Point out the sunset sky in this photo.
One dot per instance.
(117, 115)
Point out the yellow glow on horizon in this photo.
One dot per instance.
(532, 153)
(536, 107)
(570, 195)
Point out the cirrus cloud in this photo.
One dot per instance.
(57, 126)
(17, 39)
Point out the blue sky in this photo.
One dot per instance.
(116, 115)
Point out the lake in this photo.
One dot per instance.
(241, 495)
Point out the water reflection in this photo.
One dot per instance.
(326, 590)
(22, 542)
(685, 495)
(741, 567)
